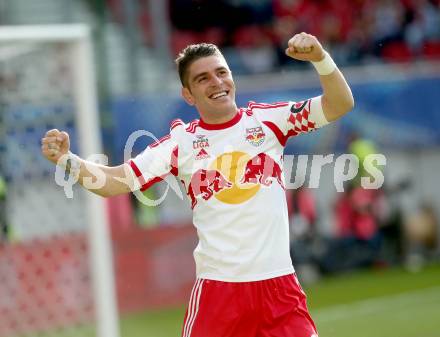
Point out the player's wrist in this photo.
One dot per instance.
(71, 163)
(326, 66)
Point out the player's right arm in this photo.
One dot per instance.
(118, 179)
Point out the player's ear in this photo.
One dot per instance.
(187, 96)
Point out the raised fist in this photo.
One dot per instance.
(55, 144)
(305, 47)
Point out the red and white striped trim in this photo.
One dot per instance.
(137, 172)
(175, 123)
(156, 143)
(254, 105)
(192, 126)
(193, 308)
(146, 184)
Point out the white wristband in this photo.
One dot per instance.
(73, 164)
(326, 66)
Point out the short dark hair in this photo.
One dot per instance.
(192, 53)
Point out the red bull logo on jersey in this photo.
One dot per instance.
(234, 178)
(255, 136)
(262, 169)
(205, 183)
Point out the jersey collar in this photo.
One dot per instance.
(221, 126)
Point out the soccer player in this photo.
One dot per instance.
(230, 163)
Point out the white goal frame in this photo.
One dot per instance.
(87, 119)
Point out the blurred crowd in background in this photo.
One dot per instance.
(369, 227)
(370, 230)
(254, 33)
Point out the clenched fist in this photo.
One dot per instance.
(305, 47)
(55, 144)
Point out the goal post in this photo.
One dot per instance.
(48, 79)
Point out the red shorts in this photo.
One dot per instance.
(270, 308)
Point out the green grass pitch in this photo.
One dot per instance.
(380, 303)
(383, 303)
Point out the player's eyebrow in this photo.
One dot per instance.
(198, 76)
(205, 73)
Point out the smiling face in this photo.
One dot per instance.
(211, 89)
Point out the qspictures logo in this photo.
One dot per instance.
(234, 176)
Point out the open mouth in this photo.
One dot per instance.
(219, 94)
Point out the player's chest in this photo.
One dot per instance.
(248, 137)
(227, 148)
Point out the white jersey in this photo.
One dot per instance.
(233, 176)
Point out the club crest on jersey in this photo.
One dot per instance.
(200, 142)
(255, 136)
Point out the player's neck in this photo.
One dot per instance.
(218, 118)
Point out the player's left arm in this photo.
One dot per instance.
(337, 98)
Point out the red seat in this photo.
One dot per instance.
(213, 35)
(180, 39)
(397, 52)
(431, 50)
(247, 36)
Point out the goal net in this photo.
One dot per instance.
(56, 274)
